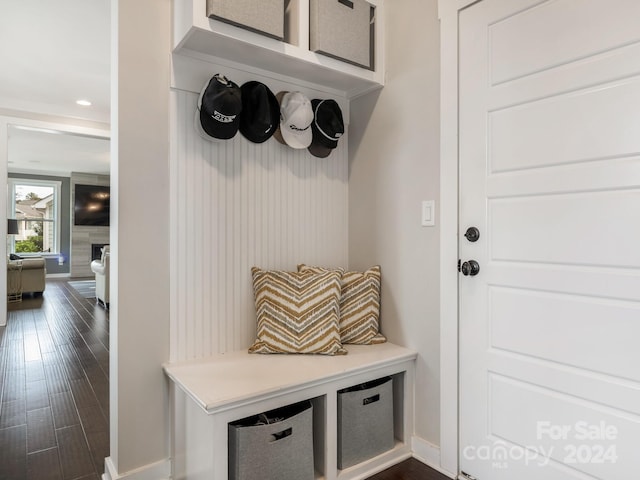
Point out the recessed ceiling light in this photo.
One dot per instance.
(84, 103)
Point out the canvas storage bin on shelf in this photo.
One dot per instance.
(365, 421)
(262, 16)
(275, 444)
(342, 29)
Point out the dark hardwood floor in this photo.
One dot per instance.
(54, 387)
(410, 469)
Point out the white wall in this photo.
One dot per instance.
(394, 165)
(235, 205)
(139, 236)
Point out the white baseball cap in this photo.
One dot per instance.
(296, 117)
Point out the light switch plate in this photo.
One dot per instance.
(428, 213)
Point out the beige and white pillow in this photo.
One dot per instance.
(359, 305)
(297, 312)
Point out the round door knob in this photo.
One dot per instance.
(470, 267)
(472, 234)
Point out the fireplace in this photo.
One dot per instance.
(96, 250)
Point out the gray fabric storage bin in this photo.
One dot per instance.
(262, 16)
(281, 450)
(342, 29)
(365, 421)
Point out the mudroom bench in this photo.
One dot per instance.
(209, 394)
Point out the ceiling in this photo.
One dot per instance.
(55, 153)
(52, 54)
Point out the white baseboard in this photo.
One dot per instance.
(58, 275)
(429, 454)
(155, 471)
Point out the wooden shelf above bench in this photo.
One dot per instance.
(197, 35)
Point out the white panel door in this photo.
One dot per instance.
(550, 175)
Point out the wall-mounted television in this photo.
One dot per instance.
(91, 205)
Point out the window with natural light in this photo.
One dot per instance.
(35, 205)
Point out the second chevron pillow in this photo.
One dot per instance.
(359, 305)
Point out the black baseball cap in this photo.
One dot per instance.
(260, 112)
(327, 127)
(219, 107)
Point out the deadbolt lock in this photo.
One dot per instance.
(472, 234)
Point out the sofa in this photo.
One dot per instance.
(101, 269)
(32, 271)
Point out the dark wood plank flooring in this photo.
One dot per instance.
(54, 387)
(410, 469)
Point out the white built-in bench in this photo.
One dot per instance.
(208, 394)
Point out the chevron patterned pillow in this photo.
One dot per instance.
(297, 312)
(359, 305)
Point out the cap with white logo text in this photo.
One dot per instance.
(219, 107)
(296, 116)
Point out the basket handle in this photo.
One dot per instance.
(282, 434)
(372, 399)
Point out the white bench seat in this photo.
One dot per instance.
(209, 393)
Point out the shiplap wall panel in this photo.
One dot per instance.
(236, 204)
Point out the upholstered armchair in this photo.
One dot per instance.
(101, 269)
